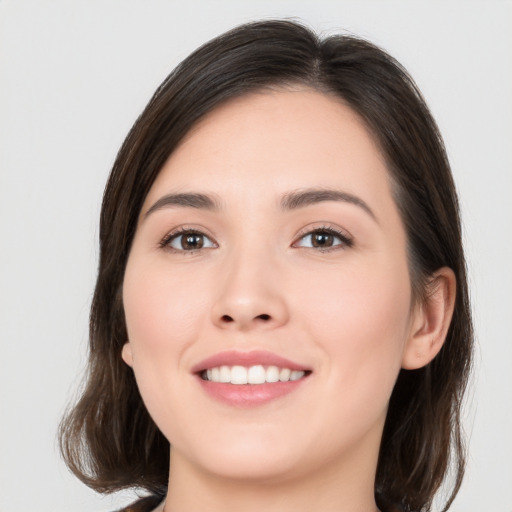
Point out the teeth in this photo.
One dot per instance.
(296, 375)
(284, 374)
(238, 375)
(272, 374)
(257, 374)
(225, 374)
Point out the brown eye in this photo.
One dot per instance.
(324, 239)
(189, 241)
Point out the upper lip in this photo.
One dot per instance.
(252, 358)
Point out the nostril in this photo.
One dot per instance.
(227, 319)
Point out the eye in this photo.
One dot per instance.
(324, 239)
(187, 240)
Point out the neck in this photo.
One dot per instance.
(330, 489)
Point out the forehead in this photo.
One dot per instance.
(273, 141)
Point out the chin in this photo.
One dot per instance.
(266, 469)
(252, 459)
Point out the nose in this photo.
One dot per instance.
(250, 295)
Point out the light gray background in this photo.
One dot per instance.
(73, 77)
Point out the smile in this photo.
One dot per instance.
(257, 374)
(249, 379)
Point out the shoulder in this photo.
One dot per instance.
(146, 504)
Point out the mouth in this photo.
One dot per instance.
(249, 378)
(256, 374)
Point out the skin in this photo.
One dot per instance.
(259, 283)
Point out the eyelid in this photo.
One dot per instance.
(181, 230)
(347, 240)
(344, 236)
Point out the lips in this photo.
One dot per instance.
(249, 378)
(247, 359)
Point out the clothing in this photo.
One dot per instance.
(149, 503)
(146, 504)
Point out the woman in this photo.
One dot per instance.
(281, 316)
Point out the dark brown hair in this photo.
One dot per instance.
(108, 439)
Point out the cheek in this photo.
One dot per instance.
(162, 310)
(360, 318)
(163, 316)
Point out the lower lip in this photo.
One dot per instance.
(249, 395)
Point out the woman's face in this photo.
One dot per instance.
(269, 247)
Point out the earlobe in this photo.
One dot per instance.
(126, 354)
(431, 320)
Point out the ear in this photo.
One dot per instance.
(431, 320)
(126, 354)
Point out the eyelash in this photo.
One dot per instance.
(344, 238)
(164, 244)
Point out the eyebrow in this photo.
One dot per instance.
(289, 201)
(308, 197)
(185, 200)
